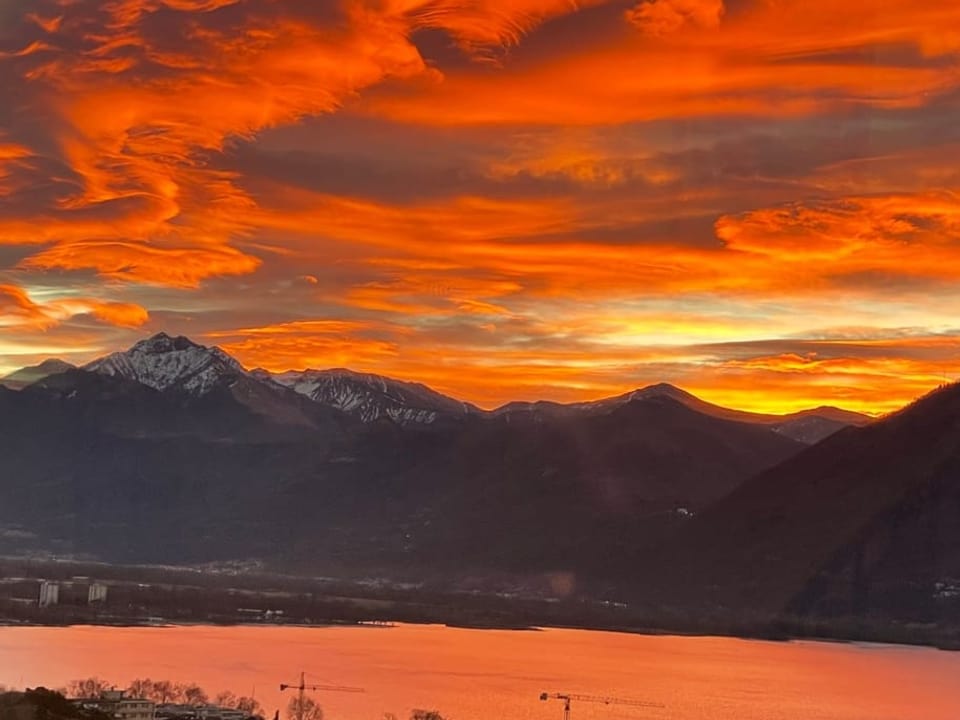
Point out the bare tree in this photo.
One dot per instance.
(419, 714)
(141, 688)
(164, 691)
(305, 708)
(92, 687)
(191, 694)
(225, 699)
(251, 706)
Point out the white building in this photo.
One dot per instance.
(96, 593)
(49, 593)
(116, 704)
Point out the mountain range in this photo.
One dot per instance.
(164, 363)
(172, 452)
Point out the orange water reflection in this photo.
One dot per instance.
(470, 674)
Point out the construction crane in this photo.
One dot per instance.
(568, 697)
(303, 686)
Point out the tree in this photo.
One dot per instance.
(164, 692)
(191, 694)
(308, 710)
(141, 688)
(43, 703)
(419, 714)
(251, 706)
(92, 687)
(225, 699)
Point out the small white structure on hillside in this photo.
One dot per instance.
(49, 593)
(96, 593)
(116, 704)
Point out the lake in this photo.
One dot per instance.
(474, 674)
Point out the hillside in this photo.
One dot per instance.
(865, 524)
(42, 704)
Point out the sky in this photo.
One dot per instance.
(756, 200)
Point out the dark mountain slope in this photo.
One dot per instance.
(234, 409)
(807, 426)
(866, 522)
(577, 493)
(107, 466)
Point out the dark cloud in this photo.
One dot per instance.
(879, 55)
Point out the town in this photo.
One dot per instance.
(145, 699)
(119, 704)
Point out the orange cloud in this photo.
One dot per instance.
(480, 25)
(127, 315)
(155, 264)
(771, 60)
(16, 308)
(19, 311)
(13, 152)
(492, 249)
(660, 17)
(138, 115)
(307, 344)
(143, 177)
(910, 235)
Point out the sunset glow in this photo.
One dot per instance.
(756, 200)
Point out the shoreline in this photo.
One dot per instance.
(627, 630)
(142, 596)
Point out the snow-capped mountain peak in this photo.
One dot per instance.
(370, 397)
(163, 362)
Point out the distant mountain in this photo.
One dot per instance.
(183, 369)
(581, 492)
(864, 524)
(371, 397)
(163, 362)
(808, 426)
(25, 376)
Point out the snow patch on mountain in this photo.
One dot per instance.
(371, 397)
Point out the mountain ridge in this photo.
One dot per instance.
(164, 361)
(19, 379)
(863, 524)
